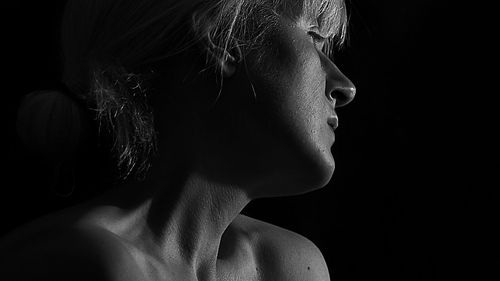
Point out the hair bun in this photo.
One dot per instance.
(50, 122)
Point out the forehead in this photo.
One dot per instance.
(310, 7)
(328, 14)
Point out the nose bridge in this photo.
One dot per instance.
(338, 86)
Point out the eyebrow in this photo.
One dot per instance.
(330, 16)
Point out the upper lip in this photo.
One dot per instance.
(333, 121)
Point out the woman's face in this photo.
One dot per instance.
(273, 124)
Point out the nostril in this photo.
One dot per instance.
(343, 95)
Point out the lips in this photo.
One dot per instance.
(333, 121)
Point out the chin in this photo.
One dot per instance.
(304, 178)
(315, 165)
(321, 175)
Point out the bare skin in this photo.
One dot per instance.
(248, 250)
(183, 222)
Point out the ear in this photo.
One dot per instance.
(227, 60)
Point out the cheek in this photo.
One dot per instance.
(288, 122)
(291, 121)
(291, 83)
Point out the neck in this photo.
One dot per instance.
(178, 213)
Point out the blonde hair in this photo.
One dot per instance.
(106, 45)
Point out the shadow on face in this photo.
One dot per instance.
(269, 125)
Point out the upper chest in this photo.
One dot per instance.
(241, 267)
(236, 260)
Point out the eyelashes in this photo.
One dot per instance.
(318, 39)
(322, 43)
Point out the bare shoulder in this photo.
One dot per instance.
(283, 254)
(72, 253)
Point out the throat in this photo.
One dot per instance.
(184, 221)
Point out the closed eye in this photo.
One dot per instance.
(317, 38)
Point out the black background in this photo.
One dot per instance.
(408, 200)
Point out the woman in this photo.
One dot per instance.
(209, 105)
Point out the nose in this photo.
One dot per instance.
(338, 86)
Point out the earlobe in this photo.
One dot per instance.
(228, 66)
(228, 61)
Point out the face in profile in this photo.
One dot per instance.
(273, 126)
(300, 88)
